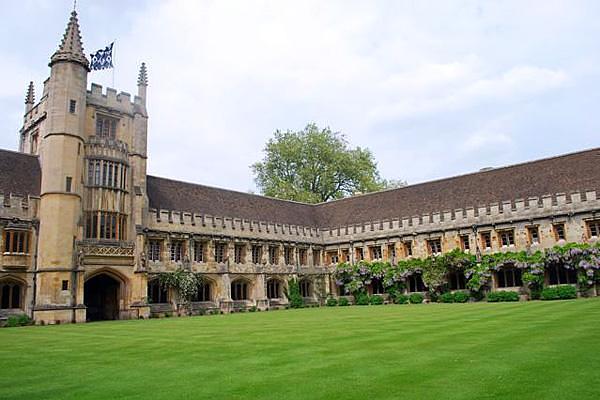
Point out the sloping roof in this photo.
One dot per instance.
(19, 173)
(561, 174)
(181, 196)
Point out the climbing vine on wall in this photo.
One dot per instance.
(584, 258)
(184, 281)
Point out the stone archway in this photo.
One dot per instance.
(101, 296)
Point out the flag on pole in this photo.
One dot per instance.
(102, 59)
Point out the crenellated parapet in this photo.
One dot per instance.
(20, 207)
(494, 215)
(111, 100)
(186, 222)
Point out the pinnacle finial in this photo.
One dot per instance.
(143, 76)
(71, 47)
(30, 98)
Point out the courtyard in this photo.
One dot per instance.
(526, 350)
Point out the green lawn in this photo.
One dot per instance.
(534, 350)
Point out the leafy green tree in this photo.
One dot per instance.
(315, 165)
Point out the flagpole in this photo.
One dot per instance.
(113, 60)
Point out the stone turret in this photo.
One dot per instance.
(71, 47)
(29, 98)
(61, 159)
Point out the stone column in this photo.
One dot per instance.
(230, 256)
(260, 292)
(247, 253)
(225, 303)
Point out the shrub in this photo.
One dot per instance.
(331, 302)
(415, 298)
(446, 298)
(567, 292)
(461, 297)
(293, 294)
(343, 302)
(18, 320)
(550, 293)
(362, 299)
(495, 297)
(400, 299)
(376, 300)
(434, 297)
(252, 309)
(535, 294)
(559, 293)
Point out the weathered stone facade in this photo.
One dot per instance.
(85, 230)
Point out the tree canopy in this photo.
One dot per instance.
(315, 165)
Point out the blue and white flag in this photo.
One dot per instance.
(102, 59)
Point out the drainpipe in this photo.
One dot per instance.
(35, 260)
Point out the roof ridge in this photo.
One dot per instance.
(19, 152)
(233, 191)
(463, 175)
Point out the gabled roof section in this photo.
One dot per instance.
(182, 196)
(20, 173)
(561, 174)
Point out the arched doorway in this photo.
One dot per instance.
(101, 297)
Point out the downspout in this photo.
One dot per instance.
(35, 261)
(74, 284)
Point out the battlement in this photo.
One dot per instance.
(15, 206)
(110, 99)
(496, 215)
(186, 222)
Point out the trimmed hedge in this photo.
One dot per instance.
(446, 298)
(18, 320)
(461, 297)
(376, 300)
(416, 298)
(456, 297)
(495, 297)
(331, 302)
(400, 299)
(362, 299)
(561, 292)
(343, 302)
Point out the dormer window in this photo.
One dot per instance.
(106, 127)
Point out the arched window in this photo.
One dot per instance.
(157, 293)
(559, 275)
(457, 280)
(509, 277)
(273, 289)
(377, 286)
(203, 293)
(416, 284)
(239, 290)
(305, 289)
(11, 294)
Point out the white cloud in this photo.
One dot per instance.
(435, 89)
(410, 80)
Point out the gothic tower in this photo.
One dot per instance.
(61, 158)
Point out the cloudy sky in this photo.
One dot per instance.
(433, 88)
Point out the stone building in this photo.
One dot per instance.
(85, 230)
